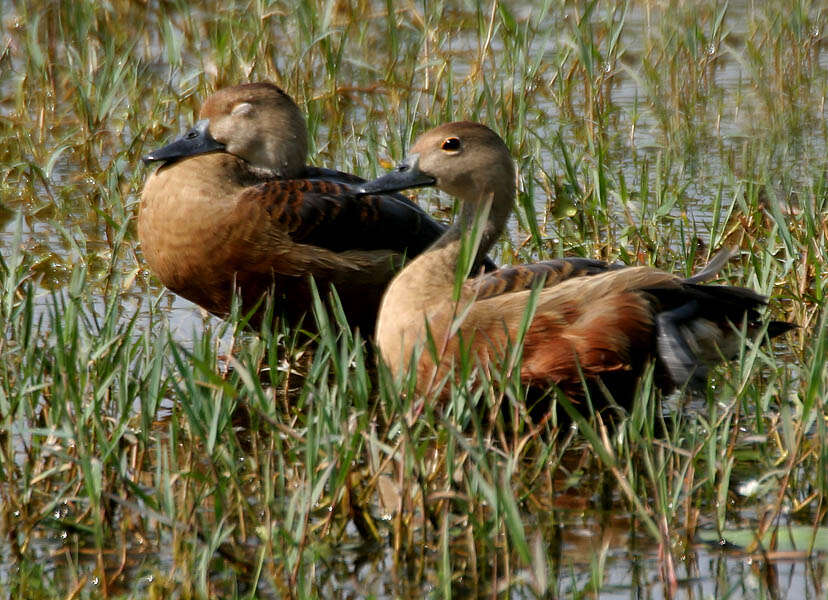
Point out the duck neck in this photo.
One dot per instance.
(491, 214)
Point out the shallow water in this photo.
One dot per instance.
(594, 554)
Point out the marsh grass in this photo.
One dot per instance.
(137, 459)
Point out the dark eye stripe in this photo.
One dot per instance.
(451, 143)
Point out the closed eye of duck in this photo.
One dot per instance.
(234, 206)
(602, 321)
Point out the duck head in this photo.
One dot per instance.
(464, 159)
(256, 122)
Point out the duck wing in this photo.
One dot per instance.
(329, 214)
(324, 210)
(613, 322)
(550, 272)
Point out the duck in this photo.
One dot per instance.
(584, 325)
(233, 207)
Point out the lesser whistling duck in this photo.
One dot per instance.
(603, 321)
(234, 204)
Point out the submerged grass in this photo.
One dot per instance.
(137, 460)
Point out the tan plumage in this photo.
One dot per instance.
(233, 206)
(590, 318)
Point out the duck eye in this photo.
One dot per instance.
(451, 144)
(243, 109)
